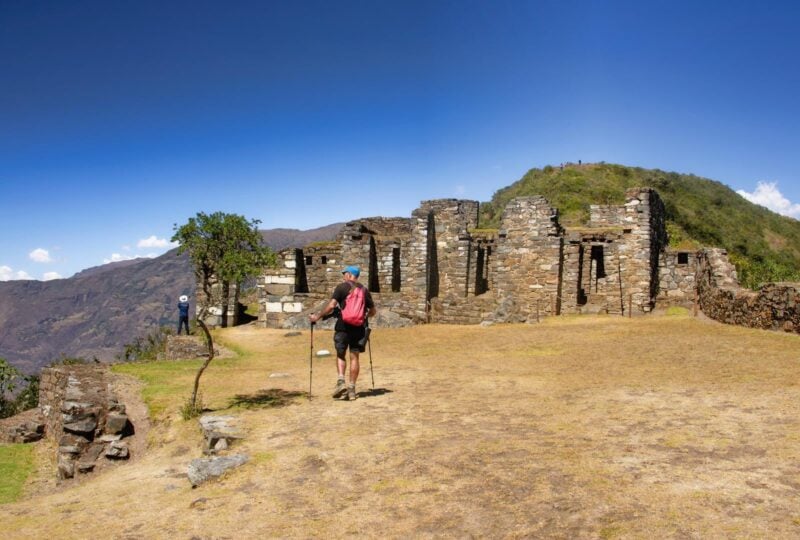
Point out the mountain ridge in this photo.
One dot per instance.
(96, 311)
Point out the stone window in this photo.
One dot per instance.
(683, 258)
(482, 270)
(599, 263)
(396, 269)
(324, 259)
(309, 260)
(373, 281)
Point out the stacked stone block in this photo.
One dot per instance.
(639, 255)
(775, 307)
(84, 416)
(277, 289)
(527, 265)
(218, 313)
(587, 289)
(370, 243)
(607, 215)
(677, 283)
(453, 219)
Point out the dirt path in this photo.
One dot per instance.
(590, 427)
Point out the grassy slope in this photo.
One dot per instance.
(16, 464)
(765, 245)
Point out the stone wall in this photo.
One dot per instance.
(677, 274)
(218, 314)
(440, 250)
(775, 307)
(527, 261)
(592, 278)
(83, 416)
(607, 215)
(429, 267)
(279, 287)
(377, 246)
(25, 427)
(645, 239)
(438, 267)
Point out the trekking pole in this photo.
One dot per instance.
(372, 373)
(311, 361)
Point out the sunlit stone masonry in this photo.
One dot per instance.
(440, 266)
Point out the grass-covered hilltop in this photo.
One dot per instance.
(765, 246)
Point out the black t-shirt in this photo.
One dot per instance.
(340, 294)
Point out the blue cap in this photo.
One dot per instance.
(352, 270)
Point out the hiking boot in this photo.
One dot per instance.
(340, 390)
(351, 392)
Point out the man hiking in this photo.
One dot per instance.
(355, 306)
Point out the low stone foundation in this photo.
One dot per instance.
(186, 347)
(25, 427)
(775, 307)
(83, 416)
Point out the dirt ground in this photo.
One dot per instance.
(579, 427)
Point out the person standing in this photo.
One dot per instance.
(350, 331)
(183, 311)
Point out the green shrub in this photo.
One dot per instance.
(191, 410)
(147, 348)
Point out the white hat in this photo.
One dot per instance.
(184, 298)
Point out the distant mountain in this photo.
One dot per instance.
(89, 315)
(94, 270)
(100, 309)
(765, 246)
(279, 239)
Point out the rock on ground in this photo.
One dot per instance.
(203, 469)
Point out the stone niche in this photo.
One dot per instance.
(84, 417)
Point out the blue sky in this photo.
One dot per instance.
(120, 119)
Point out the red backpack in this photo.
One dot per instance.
(355, 306)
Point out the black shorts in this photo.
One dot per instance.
(351, 338)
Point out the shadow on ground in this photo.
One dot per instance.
(374, 392)
(265, 399)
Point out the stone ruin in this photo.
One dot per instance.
(85, 418)
(25, 427)
(439, 266)
(776, 306)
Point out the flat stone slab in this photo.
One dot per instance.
(220, 426)
(203, 469)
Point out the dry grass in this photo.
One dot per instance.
(580, 427)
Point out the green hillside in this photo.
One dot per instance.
(764, 245)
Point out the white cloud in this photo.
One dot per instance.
(40, 255)
(50, 276)
(155, 242)
(8, 274)
(768, 195)
(116, 257)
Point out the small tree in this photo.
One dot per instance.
(8, 382)
(225, 247)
